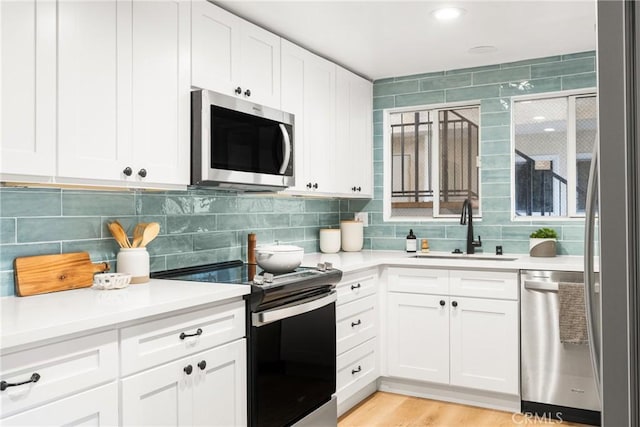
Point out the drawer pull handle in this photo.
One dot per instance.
(183, 335)
(355, 371)
(353, 287)
(34, 379)
(354, 324)
(202, 365)
(188, 369)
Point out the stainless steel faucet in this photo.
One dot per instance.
(467, 211)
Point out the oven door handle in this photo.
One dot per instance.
(286, 149)
(293, 309)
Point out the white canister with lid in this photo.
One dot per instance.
(330, 240)
(134, 261)
(352, 233)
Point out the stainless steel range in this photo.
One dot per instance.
(291, 340)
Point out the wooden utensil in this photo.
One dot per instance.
(137, 234)
(51, 273)
(150, 232)
(119, 234)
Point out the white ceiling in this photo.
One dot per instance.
(379, 39)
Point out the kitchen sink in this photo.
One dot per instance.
(467, 256)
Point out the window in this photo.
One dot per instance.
(553, 141)
(431, 159)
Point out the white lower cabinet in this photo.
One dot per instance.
(452, 338)
(357, 321)
(484, 344)
(418, 331)
(208, 388)
(96, 407)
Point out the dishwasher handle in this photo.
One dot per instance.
(539, 285)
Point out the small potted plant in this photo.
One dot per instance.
(542, 243)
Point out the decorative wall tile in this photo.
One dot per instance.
(7, 230)
(223, 239)
(504, 75)
(529, 87)
(396, 88)
(79, 203)
(15, 202)
(305, 220)
(574, 66)
(445, 82)
(419, 76)
(31, 230)
(422, 98)
(531, 61)
(472, 93)
(10, 252)
(473, 69)
(494, 119)
(578, 55)
(383, 102)
(491, 105)
(178, 224)
(579, 81)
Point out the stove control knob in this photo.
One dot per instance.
(268, 277)
(328, 266)
(321, 266)
(258, 280)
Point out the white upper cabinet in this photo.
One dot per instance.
(234, 57)
(161, 100)
(354, 143)
(123, 92)
(28, 85)
(93, 115)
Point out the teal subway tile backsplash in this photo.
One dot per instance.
(561, 68)
(204, 226)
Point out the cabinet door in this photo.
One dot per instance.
(220, 386)
(94, 138)
(160, 91)
(260, 65)
(353, 134)
(96, 407)
(418, 337)
(28, 109)
(319, 124)
(215, 48)
(484, 344)
(160, 396)
(292, 75)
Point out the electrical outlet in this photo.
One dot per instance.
(364, 217)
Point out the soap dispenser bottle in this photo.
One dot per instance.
(412, 242)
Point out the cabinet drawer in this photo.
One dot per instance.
(356, 368)
(356, 323)
(356, 286)
(159, 341)
(64, 368)
(484, 284)
(96, 407)
(418, 280)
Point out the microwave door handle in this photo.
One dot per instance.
(286, 149)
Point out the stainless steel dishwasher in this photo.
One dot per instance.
(557, 379)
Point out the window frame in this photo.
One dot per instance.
(435, 179)
(571, 96)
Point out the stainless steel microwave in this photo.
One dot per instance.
(239, 145)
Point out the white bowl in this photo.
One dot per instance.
(106, 281)
(279, 258)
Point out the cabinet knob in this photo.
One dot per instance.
(454, 303)
(142, 173)
(359, 189)
(202, 365)
(315, 185)
(238, 90)
(188, 369)
(358, 323)
(442, 302)
(247, 93)
(35, 377)
(309, 185)
(198, 332)
(353, 188)
(127, 171)
(354, 287)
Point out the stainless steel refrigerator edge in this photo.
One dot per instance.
(618, 61)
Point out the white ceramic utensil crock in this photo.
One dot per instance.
(134, 261)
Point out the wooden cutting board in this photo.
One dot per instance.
(51, 273)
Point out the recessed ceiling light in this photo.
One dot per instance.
(483, 49)
(549, 129)
(447, 13)
(538, 118)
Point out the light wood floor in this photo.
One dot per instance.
(386, 409)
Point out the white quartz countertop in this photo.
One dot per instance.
(35, 318)
(353, 261)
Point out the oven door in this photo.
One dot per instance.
(292, 355)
